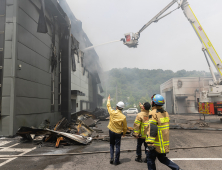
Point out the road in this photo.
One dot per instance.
(189, 159)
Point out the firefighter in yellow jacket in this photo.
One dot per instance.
(140, 129)
(117, 125)
(158, 135)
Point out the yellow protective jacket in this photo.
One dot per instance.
(117, 121)
(158, 131)
(141, 124)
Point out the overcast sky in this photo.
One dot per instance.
(169, 44)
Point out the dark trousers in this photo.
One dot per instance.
(115, 139)
(139, 145)
(151, 157)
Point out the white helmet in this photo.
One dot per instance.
(120, 104)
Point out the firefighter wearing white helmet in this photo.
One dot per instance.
(120, 105)
(117, 125)
(158, 135)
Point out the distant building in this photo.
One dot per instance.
(181, 94)
(44, 74)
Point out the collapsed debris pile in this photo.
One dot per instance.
(189, 124)
(98, 113)
(202, 124)
(79, 131)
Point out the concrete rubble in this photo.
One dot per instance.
(190, 122)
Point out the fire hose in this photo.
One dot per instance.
(98, 152)
(193, 128)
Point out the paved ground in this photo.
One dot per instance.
(178, 139)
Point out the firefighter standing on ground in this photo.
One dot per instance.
(140, 129)
(158, 135)
(117, 124)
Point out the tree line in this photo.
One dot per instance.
(133, 85)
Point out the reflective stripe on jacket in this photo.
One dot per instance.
(158, 131)
(117, 121)
(141, 124)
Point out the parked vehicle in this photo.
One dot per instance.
(131, 111)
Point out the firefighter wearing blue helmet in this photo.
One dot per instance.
(158, 135)
(158, 100)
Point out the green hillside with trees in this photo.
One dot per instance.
(135, 85)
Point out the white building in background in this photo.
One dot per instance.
(181, 94)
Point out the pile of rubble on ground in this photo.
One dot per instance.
(78, 131)
(202, 124)
(189, 125)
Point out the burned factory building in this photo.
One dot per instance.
(44, 71)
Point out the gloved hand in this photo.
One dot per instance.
(141, 106)
(137, 136)
(150, 148)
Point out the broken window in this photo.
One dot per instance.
(74, 50)
(81, 55)
(84, 70)
(81, 61)
(97, 78)
(78, 58)
(100, 88)
(42, 26)
(73, 60)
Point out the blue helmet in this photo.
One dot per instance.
(158, 100)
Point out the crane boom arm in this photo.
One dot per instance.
(158, 15)
(207, 45)
(188, 12)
